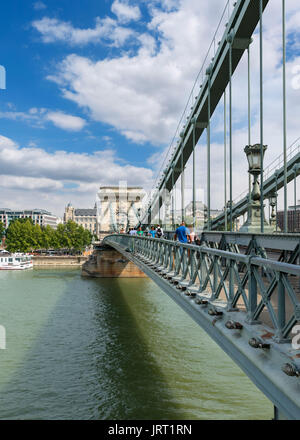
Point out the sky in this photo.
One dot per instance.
(95, 90)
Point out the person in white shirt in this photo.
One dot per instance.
(159, 232)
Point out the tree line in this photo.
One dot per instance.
(23, 235)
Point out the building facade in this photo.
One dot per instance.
(87, 218)
(293, 218)
(38, 216)
(120, 207)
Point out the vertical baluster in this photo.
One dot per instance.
(252, 285)
(281, 309)
(215, 274)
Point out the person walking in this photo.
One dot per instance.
(140, 232)
(192, 235)
(182, 234)
(152, 232)
(159, 232)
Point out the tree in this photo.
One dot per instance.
(23, 236)
(19, 236)
(2, 230)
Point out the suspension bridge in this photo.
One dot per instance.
(242, 288)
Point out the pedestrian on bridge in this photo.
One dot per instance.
(159, 232)
(152, 232)
(140, 232)
(183, 234)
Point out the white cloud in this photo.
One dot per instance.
(66, 122)
(107, 29)
(143, 94)
(31, 174)
(125, 12)
(37, 117)
(39, 6)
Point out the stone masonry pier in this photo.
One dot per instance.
(106, 262)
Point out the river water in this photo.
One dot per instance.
(111, 349)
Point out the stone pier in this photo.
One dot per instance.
(108, 263)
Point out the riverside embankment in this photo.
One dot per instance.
(59, 261)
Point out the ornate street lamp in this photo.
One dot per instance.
(252, 224)
(272, 202)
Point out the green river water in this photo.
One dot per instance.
(111, 349)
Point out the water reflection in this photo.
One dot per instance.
(111, 349)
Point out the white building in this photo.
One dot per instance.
(38, 216)
(87, 218)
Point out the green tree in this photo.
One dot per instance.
(19, 236)
(2, 230)
(23, 236)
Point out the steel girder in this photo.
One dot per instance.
(241, 26)
(231, 298)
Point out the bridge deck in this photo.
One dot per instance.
(218, 288)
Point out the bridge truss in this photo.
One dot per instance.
(248, 304)
(213, 80)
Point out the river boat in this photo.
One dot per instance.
(16, 261)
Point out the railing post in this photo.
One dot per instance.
(231, 284)
(252, 297)
(215, 271)
(202, 270)
(279, 337)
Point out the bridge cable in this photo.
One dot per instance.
(194, 174)
(225, 162)
(249, 118)
(284, 116)
(261, 117)
(230, 131)
(208, 149)
(173, 186)
(182, 185)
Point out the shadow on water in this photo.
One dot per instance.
(89, 360)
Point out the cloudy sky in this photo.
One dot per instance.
(94, 94)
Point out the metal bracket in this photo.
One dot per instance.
(241, 43)
(201, 124)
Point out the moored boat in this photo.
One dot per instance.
(17, 261)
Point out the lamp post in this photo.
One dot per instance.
(272, 202)
(296, 168)
(253, 223)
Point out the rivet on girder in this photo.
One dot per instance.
(189, 293)
(255, 343)
(291, 370)
(215, 312)
(201, 302)
(233, 325)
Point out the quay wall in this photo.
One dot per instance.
(55, 261)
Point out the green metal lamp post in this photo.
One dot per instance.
(272, 202)
(253, 223)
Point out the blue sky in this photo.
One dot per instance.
(95, 90)
(28, 61)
